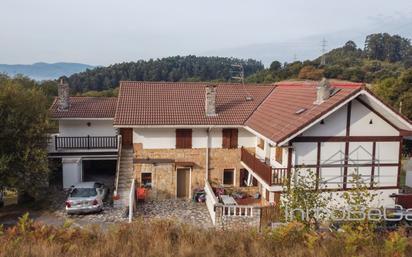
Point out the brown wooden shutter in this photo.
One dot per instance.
(179, 139)
(233, 138)
(279, 154)
(226, 135)
(188, 138)
(183, 138)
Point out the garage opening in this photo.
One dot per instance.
(103, 171)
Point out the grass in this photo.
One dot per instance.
(166, 238)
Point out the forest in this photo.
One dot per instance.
(177, 68)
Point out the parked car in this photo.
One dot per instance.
(86, 197)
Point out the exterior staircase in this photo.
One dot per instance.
(125, 176)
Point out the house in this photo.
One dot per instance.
(177, 137)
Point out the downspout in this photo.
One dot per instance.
(207, 154)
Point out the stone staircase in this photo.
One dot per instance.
(126, 174)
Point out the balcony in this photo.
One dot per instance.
(82, 143)
(272, 176)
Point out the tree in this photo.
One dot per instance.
(384, 47)
(302, 193)
(23, 127)
(350, 46)
(275, 66)
(310, 72)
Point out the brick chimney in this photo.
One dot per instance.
(323, 91)
(63, 96)
(210, 100)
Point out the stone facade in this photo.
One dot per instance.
(164, 175)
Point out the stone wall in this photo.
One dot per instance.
(164, 174)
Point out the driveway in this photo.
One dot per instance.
(52, 212)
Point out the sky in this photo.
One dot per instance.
(103, 32)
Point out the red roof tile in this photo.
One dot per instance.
(276, 117)
(163, 103)
(86, 107)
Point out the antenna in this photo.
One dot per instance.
(240, 71)
(323, 58)
(241, 76)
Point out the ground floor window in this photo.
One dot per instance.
(147, 179)
(228, 176)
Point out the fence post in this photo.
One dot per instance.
(88, 141)
(55, 142)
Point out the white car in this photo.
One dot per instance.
(86, 197)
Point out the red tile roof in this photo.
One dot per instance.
(86, 107)
(276, 117)
(272, 112)
(163, 103)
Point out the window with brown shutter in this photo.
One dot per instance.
(183, 138)
(229, 138)
(279, 155)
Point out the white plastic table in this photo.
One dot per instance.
(228, 200)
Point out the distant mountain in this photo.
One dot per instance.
(44, 71)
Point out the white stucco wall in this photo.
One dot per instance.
(165, 138)
(360, 118)
(333, 125)
(80, 128)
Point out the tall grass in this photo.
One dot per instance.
(166, 238)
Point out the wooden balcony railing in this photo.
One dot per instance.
(87, 142)
(272, 176)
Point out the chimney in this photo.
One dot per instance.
(210, 100)
(323, 91)
(63, 94)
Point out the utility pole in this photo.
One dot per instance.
(323, 58)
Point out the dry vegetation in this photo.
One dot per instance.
(166, 238)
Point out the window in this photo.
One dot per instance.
(244, 177)
(229, 138)
(183, 138)
(279, 154)
(147, 179)
(261, 143)
(228, 176)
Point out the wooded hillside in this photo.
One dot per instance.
(177, 68)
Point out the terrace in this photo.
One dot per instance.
(270, 175)
(73, 144)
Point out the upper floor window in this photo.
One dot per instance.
(229, 138)
(261, 143)
(279, 154)
(183, 138)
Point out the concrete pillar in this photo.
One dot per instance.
(72, 171)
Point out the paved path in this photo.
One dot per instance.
(183, 211)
